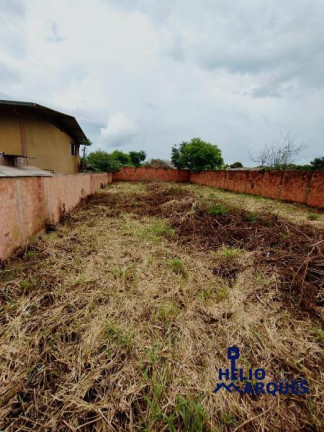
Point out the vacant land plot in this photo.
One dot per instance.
(119, 318)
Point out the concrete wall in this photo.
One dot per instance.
(26, 204)
(33, 136)
(303, 187)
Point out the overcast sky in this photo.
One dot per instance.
(147, 74)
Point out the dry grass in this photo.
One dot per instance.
(294, 213)
(120, 319)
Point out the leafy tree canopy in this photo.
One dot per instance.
(236, 165)
(197, 155)
(121, 157)
(101, 161)
(318, 163)
(137, 157)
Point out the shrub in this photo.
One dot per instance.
(101, 161)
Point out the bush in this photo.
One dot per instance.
(101, 161)
(197, 155)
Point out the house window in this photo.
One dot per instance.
(73, 149)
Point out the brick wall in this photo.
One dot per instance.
(137, 174)
(303, 187)
(27, 203)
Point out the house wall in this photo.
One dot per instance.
(26, 204)
(50, 146)
(10, 141)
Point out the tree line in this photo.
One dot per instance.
(198, 155)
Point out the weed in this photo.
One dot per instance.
(228, 418)
(118, 336)
(217, 209)
(29, 284)
(205, 294)
(313, 216)
(187, 415)
(177, 267)
(31, 254)
(231, 252)
(284, 236)
(252, 217)
(156, 231)
(222, 292)
(261, 278)
(191, 413)
(319, 332)
(175, 189)
(168, 311)
(117, 272)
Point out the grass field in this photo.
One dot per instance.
(120, 318)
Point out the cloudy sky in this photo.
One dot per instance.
(147, 74)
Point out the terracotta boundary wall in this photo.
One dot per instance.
(143, 173)
(304, 187)
(27, 203)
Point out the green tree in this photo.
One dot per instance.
(176, 156)
(101, 161)
(318, 163)
(137, 157)
(236, 165)
(197, 155)
(121, 157)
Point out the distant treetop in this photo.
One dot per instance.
(196, 155)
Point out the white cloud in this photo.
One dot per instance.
(119, 131)
(235, 73)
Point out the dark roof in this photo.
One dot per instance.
(62, 121)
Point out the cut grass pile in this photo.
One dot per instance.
(298, 214)
(120, 319)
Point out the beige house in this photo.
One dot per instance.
(49, 139)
